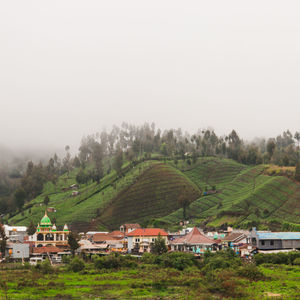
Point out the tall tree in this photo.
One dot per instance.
(183, 202)
(159, 246)
(46, 200)
(73, 239)
(297, 137)
(118, 162)
(271, 147)
(97, 155)
(3, 239)
(31, 228)
(19, 198)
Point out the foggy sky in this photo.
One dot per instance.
(69, 68)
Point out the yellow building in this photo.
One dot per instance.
(47, 234)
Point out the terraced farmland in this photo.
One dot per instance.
(152, 189)
(214, 171)
(155, 194)
(250, 196)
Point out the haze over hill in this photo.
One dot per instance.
(68, 69)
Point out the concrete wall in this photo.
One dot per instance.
(19, 251)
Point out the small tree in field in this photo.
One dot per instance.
(159, 246)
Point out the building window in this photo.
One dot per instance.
(262, 243)
(272, 243)
(153, 239)
(137, 240)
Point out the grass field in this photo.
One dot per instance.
(150, 282)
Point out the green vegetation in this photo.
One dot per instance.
(140, 174)
(219, 275)
(162, 194)
(154, 194)
(245, 196)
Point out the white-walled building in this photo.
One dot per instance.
(142, 238)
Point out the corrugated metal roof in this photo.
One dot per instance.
(278, 235)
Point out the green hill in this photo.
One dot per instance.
(154, 194)
(151, 190)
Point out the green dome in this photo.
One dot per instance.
(45, 222)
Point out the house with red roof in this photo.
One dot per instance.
(141, 239)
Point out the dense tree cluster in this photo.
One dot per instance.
(142, 141)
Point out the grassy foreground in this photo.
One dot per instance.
(165, 277)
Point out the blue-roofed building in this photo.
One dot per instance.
(266, 240)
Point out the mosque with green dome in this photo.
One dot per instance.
(47, 234)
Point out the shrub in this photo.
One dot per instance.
(251, 272)
(76, 264)
(177, 260)
(45, 267)
(115, 261)
(297, 261)
(66, 259)
(276, 258)
(148, 258)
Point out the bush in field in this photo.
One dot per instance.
(177, 260)
(220, 260)
(148, 258)
(76, 264)
(45, 267)
(277, 258)
(297, 261)
(66, 259)
(224, 282)
(115, 261)
(251, 272)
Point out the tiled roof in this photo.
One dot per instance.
(234, 236)
(99, 237)
(134, 225)
(117, 233)
(278, 235)
(193, 238)
(50, 249)
(147, 232)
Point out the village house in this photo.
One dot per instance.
(113, 241)
(234, 239)
(265, 240)
(194, 241)
(15, 233)
(141, 239)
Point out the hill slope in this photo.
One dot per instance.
(245, 199)
(151, 190)
(154, 194)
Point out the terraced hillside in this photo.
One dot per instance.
(208, 172)
(151, 190)
(155, 193)
(80, 210)
(249, 197)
